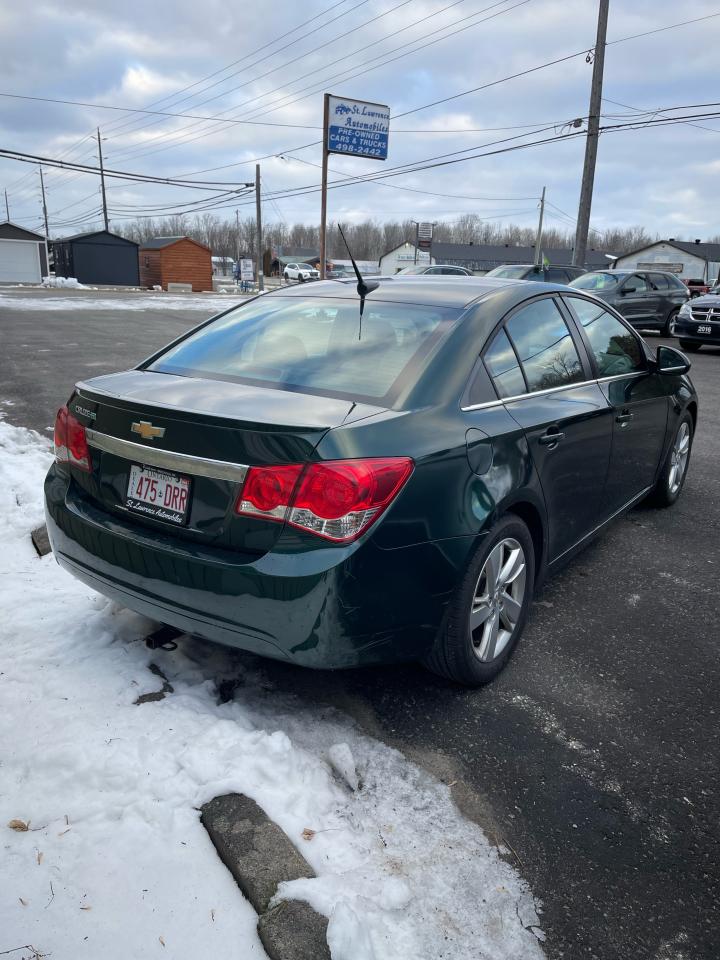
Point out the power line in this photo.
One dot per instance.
(430, 193)
(295, 40)
(278, 104)
(464, 93)
(174, 135)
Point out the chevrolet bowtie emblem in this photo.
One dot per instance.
(147, 431)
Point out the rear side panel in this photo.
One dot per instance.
(141, 426)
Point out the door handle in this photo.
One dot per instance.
(624, 418)
(551, 439)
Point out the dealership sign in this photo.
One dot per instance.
(247, 270)
(357, 128)
(425, 235)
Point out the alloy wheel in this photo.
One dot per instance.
(679, 454)
(498, 600)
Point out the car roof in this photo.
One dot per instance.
(426, 290)
(531, 266)
(626, 271)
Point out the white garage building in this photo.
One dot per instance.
(401, 256)
(23, 255)
(689, 260)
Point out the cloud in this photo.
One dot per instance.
(273, 70)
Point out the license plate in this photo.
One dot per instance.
(704, 328)
(158, 494)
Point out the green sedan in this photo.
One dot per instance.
(337, 481)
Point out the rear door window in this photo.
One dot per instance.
(637, 282)
(615, 348)
(544, 345)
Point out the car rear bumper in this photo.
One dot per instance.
(325, 607)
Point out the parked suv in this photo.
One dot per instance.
(436, 270)
(558, 273)
(300, 271)
(647, 300)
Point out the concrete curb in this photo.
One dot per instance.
(40, 541)
(260, 856)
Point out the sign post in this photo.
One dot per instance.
(356, 128)
(423, 239)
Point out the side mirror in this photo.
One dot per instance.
(671, 361)
(625, 290)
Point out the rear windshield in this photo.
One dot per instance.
(314, 345)
(511, 273)
(596, 281)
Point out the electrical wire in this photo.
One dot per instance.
(272, 106)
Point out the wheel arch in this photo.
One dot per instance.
(533, 518)
(692, 409)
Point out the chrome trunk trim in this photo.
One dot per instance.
(167, 459)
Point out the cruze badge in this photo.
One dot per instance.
(147, 431)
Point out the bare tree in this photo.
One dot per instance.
(368, 240)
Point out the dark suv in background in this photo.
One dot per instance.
(646, 299)
(558, 273)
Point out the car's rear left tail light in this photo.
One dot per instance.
(336, 499)
(71, 441)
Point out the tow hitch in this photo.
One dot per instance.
(163, 639)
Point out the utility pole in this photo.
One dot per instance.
(591, 144)
(102, 181)
(538, 238)
(237, 235)
(258, 224)
(44, 205)
(7, 208)
(323, 187)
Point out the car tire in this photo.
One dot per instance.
(287, 277)
(692, 346)
(665, 329)
(474, 657)
(672, 475)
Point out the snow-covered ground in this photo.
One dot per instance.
(210, 303)
(114, 862)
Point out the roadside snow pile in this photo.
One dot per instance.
(107, 856)
(69, 282)
(210, 303)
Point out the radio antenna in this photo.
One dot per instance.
(364, 287)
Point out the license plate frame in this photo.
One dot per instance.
(145, 481)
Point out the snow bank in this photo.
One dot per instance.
(115, 862)
(210, 303)
(70, 282)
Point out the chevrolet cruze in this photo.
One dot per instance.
(335, 480)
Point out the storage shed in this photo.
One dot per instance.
(100, 257)
(23, 255)
(175, 260)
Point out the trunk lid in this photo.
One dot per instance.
(203, 433)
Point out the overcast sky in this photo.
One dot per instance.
(271, 63)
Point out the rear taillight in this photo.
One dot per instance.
(71, 441)
(336, 499)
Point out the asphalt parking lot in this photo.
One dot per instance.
(594, 758)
